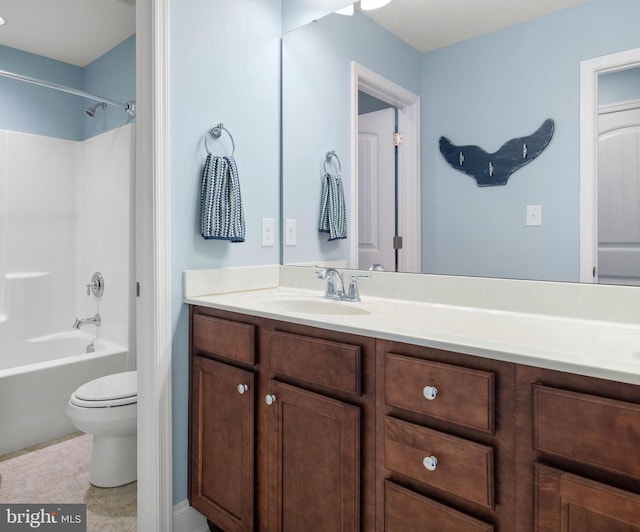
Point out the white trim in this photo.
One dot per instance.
(628, 105)
(153, 331)
(186, 519)
(408, 105)
(589, 71)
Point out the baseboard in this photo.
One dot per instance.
(186, 519)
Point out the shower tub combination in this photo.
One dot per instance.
(37, 377)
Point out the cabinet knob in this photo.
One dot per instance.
(430, 463)
(430, 392)
(242, 388)
(269, 399)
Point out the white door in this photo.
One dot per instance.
(376, 189)
(619, 197)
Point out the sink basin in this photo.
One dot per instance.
(319, 306)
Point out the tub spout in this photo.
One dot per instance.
(94, 320)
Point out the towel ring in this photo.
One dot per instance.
(327, 159)
(216, 132)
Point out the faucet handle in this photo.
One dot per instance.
(96, 285)
(354, 291)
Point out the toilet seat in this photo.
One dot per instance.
(119, 389)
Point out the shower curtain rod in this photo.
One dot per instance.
(126, 106)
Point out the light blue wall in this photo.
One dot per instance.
(316, 63)
(114, 76)
(225, 67)
(488, 90)
(38, 110)
(619, 86)
(33, 109)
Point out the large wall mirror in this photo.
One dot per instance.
(343, 76)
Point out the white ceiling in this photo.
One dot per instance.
(430, 24)
(73, 31)
(86, 29)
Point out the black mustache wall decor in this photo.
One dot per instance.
(489, 169)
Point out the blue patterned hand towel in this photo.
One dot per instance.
(333, 212)
(221, 211)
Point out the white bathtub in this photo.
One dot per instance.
(38, 375)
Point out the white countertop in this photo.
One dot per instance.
(594, 347)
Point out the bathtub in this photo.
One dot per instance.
(37, 377)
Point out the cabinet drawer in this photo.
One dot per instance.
(568, 502)
(463, 468)
(224, 338)
(464, 396)
(590, 429)
(329, 364)
(405, 510)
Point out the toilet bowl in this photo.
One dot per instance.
(107, 408)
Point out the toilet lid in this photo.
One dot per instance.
(120, 388)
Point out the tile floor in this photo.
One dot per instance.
(58, 472)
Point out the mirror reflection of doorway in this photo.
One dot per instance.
(407, 167)
(377, 184)
(618, 178)
(609, 199)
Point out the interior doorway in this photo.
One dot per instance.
(408, 165)
(590, 140)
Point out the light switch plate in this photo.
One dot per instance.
(290, 232)
(534, 215)
(267, 232)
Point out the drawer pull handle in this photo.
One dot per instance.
(269, 399)
(430, 392)
(242, 388)
(430, 463)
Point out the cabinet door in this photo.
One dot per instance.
(222, 444)
(314, 462)
(569, 503)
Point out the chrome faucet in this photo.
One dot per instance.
(94, 320)
(335, 285)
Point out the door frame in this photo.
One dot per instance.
(590, 69)
(408, 105)
(152, 267)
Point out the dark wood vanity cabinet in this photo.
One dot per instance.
(295, 428)
(221, 415)
(446, 447)
(281, 425)
(578, 453)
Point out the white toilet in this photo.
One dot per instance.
(107, 408)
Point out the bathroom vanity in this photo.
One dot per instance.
(307, 421)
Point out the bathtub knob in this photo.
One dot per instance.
(96, 285)
(269, 399)
(242, 388)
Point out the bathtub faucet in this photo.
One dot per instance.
(94, 320)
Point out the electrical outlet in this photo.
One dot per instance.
(267, 232)
(290, 232)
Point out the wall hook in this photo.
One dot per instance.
(512, 155)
